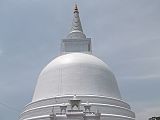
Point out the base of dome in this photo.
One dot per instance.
(108, 107)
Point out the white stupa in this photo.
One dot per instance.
(77, 85)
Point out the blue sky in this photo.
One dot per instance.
(125, 34)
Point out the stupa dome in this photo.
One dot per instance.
(77, 85)
(76, 73)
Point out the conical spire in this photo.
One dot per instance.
(76, 40)
(76, 29)
(76, 24)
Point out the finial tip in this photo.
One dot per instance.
(76, 8)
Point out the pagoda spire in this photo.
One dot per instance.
(76, 40)
(76, 24)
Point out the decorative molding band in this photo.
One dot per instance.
(94, 104)
(119, 116)
(65, 96)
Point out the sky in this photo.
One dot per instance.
(125, 34)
